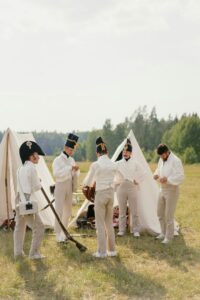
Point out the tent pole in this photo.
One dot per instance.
(6, 182)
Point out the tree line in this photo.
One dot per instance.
(182, 135)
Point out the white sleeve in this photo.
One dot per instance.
(177, 175)
(118, 175)
(75, 173)
(89, 179)
(60, 170)
(35, 180)
(157, 171)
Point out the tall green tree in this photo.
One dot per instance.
(186, 133)
(91, 144)
(80, 152)
(109, 136)
(120, 133)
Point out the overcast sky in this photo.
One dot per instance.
(70, 64)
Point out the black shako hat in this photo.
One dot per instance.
(101, 147)
(71, 140)
(28, 148)
(128, 146)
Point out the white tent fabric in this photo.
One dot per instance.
(148, 192)
(9, 163)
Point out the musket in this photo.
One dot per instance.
(81, 247)
(46, 206)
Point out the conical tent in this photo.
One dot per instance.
(9, 163)
(148, 192)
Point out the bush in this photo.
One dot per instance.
(190, 156)
(150, 156)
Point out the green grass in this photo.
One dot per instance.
(144, 269)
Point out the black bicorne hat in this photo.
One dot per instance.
(28, 148)
(71, 140)
(101, 147)
(128, 146)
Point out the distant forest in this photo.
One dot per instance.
(181, 134)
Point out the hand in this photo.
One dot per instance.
(155, 177)
(163, 180)
(75, 168)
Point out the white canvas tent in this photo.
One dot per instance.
(9, 163)
(148, 194)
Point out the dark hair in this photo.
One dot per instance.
(101, 147)
(162, 148)
(102, 151)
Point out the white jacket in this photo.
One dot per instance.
(102, 172)
(129, 170)
(28, 178)
(62, 168)
(172, 169)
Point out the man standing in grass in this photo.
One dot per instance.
(130, 174)
(28, 184)
(170, 175)
(102, 174)
(65, 172)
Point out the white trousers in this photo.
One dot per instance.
(63, 203)
(20, 229)
(127, 193)
(168, 198)
(104, 220)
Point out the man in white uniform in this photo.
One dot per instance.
(65, 172)
(130, 174)
(102, 174)
(28, 183)
(170, 174)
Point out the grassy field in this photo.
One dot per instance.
(144, 269)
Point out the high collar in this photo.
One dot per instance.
(169, 158)
(28, 162)
(126, 160)
(105, 156)
(66, 154)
